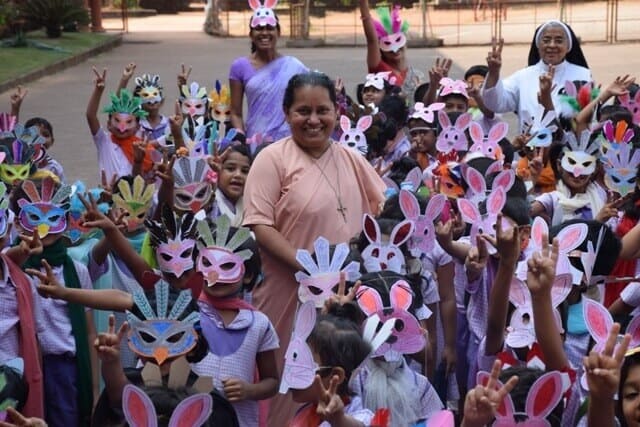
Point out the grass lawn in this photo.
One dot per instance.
(18, 61)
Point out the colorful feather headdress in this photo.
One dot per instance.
(126, 103)
(574, 99)
(391, 29)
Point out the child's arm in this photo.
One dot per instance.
(94, 101)
(237, 390)
(139, 152)
(603, 377)
(29, 245)
(373, 49)
(616, 88)
(16, 419)
(448, 313)
(508, 245)
(540, 276)
(436, 73)
(92, 336)
(444, 234)
(164, 171)
(175, 123)
(126, 76)
(475, 92)
(99, 299)
(107, 345)
(16, 101)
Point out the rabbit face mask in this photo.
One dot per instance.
(452, 137)
(379, 255)
(263, 14)
(406, 336)
(46, 214)
(299, 365)
(354, 138)
(423, 238)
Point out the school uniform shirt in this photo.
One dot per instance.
(158, 133)
(57, 338)
(111, 158)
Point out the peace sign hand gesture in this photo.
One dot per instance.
(330, 405)
(183, 75)
(100, 79)
(49, 286)
(107, 344)
(494, 58)
(19, 420)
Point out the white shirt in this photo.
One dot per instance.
(519, 92)
(111, 158)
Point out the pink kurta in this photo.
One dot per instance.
(286, 190)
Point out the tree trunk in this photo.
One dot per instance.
(212, 22)
(305, 19)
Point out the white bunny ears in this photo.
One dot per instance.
(540, 127)
(321, 276)
(379, 256)
(263, 13)
(423, 238)
(477, 185)
(488, 146)
(354, 138)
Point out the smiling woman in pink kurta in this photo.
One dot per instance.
(296, 187)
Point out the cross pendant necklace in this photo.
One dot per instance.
(341, 208)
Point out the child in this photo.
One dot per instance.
(233, 173)
(453, 93)
(66, 354)
(374, 89)
(423, 130)
(46, 132)
(392, 143)
(116, 144)
(242, 340)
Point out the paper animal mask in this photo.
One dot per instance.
(44, 212)
(75, 230)
(354, 138)
(540, 127)
(4, 210)
(125, 103)
(192, 189)
(407, 336)
(599, 323)
(263, 13)
(379, 256)
(139, 411)
(543, 397)
(569, 238)
(218, 260)
(160, 335)
(135, 200)
(194, 100)
(477, 192)
(19, 153)
(7, 124)
(633, 105)
(299, 367)
(483, 224)
(573, 100)
(220, 103)
(579, 157)
(488, 146)
(426, 112)
(423, 239)
(391, 29)
(174, 239)
(321, 275)
(453, 87)
(148, 89)
(620, 168)
(613, 136)
(377, 80)
(412, 182)
(452, 137)
(449, 174)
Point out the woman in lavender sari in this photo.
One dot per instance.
(263, 77)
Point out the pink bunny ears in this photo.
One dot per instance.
(426, 113)
(263, 14)
(453, 87)
(633, 105)
(377, 80)
(543, 397)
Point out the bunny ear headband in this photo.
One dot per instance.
(391, 29)
(379, 256)
(543, 397)
(579, 157)
(149, 89)
(75, 230)
(193, 188)
(125, 103)
(174, 239)
(162, 334)
(321, 275)
(263, 13)
(135, 199)
(406, 335)
(377, 80)
(44, 211)
(540, 127)
(453, 87)
(218, 258)
(426, 113)
(300, 368)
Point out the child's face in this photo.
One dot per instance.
(455, 104)
(474, 81)
(123, 125)
(393, 58)
(631, 397)
(233, 175)
(577, 184)
(423, 139)
(48, 136)
(223, 290)
(371, 95)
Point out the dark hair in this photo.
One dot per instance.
(39, 121)
(507, 151)
(253, 45)
(338, 343)
(476, 70)
(388, 89)
(526, 378)
(630, 207)
(15, 388)
(420, 92)
(394, 108)
(629, 362)
(455, 95)
(241, 149)
(401, 167)
(517, 209)
(382, 281)
(609, 249)
(310, 78)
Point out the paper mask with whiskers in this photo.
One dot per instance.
(263, 13)
(44, 212)
(192, 189)
(174, 239)
(380, 256)
(579, 157)
(135, 200)
(323, 274)
(218, 260)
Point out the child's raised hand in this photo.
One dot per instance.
(30, 245)
(476, 260)
(117, 216)
(481, 402)
(609, 210)
(107, 187)
(100, 79)
(439, 70)
(107, 344)
(183, 75)
(164, 170)
(603, 369)
(618, 87)
(236, 390)
(92, 217)
(177, 119)
(339, 84)
(19, 420)
(542, 268)
(507, 241)
(342, 297)
(140, 150)
(49, 286)
(494, 58)
(330, 405)
(128, 71)
(16, 99)
(380, 168)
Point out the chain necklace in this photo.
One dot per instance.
(341, 208)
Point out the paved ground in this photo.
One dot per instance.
(62, 97)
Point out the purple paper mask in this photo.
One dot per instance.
(483, 224)
(453, 137)
(354, 138)
(620, 169)
(176, 256)
(46, 214)
(299, 366)
(423, 238)
(407, 336)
